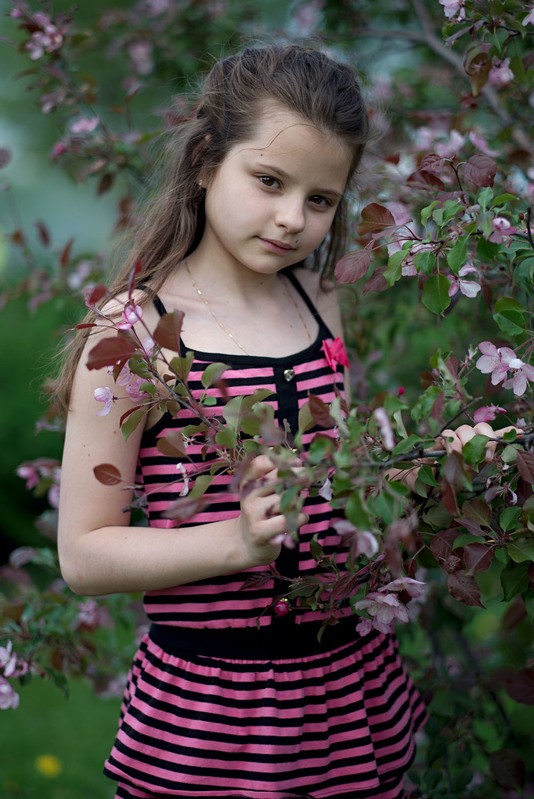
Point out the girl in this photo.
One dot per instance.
(217, 705)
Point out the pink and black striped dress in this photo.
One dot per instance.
(214, 706)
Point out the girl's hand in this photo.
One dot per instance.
(455, 440)
(261, 525)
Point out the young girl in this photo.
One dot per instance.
(217, 706)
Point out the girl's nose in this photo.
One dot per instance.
(290, 215)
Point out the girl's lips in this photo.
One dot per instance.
(277, 246)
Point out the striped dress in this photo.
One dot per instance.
(226, 698)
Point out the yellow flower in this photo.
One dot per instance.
(48, 765)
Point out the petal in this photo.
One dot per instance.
(487, 364)
(469, 288)
(519, 383)
(487, 348)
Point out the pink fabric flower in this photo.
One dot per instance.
(105, 395)
(9, 698)
(469, 288)
(335, 353)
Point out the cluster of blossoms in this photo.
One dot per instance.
(43, 474)
(499, 361)
(11, 667)
(47, 38)
(384, 607)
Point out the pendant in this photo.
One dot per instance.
(289, 374)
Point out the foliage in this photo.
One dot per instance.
(429, 493)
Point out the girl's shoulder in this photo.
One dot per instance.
(324, 296)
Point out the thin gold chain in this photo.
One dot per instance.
(220, 324)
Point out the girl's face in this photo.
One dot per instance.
(273, 199)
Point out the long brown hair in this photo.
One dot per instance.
(303, 80)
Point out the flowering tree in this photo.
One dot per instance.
(432, 468)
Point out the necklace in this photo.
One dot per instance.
(223, 327)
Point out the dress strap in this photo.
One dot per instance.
(158, 305)
(309, 303)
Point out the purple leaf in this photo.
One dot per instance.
(107, 474)
(464, 588)
(353, 266)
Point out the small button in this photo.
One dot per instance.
(289, 374)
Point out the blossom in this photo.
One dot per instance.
(502, 230)
(335, 353)
(384, 610)
(84, 125)
(365, 543)
(453, 9)
(131, 314)
(487, 413)
(500, 73)
(91, 615)
(469, 288)
(529, 19)
(326, 490)
(184, 491)
(9, 698)
(481, 144)
(498, 361)
(131, 382)
(141, 53)
(452, 146)
(29, 473)
(386, 431)
(415, 588)
(523, 372)
(105, 395)
(8, 659)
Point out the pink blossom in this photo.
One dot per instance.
(131, 314)
(500, 73)
(84, 125)
(502, 230)
(365, 543)
(384, 609)
(105, 395)
(131, 382)
(529, 19)
(487, 413)
(53, 496)
(157, 7)
(469, 288)
(452, 146)
(141, 53)
(9, 698)
(453, 9)
(184, 491)
(60, 148)
(523, 372)
(44, 41)
(326, 490)
(494, 361)
(384, 426)
(335, 353)
(481, 144)
(29, 473)
(8, 659)
(415, 588)
(91, 615)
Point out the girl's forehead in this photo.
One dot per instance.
(283, 134)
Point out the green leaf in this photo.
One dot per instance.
(201, 485)
(421, 410)
(521, 549)
(514, 579)
(357, 513)
(181, 366)
(425, 262)
(407, 445)
(426, 476)
(436, 294)
(226, 438)
(509, 518)
(393, 271)
(484, 197)
(212, 374)
(457, 256)
(426, 212)
(510, 316)
(502, 199)
(132, 421)
(474, 450)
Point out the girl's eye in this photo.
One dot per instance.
(269, 181)
(318, 199)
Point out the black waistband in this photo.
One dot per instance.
(251, 643)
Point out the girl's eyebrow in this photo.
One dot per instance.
(285, 176)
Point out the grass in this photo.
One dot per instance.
(76, 732)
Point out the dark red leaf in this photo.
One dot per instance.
(477, 557)
(172, 445)
(441, 544)
(520, 686)
(64, 258)
(83, 325)
(107, 474)
(525, 465)
(480, 170)
(464, 588)
(110, 351)
(508, 768)
(424, 179)
(454, 562)
(514, 614)
(471, 526)
(96, 294)
(256, 580)
(44, 233)
(319, 411)
(375, 218)
(353, 266)
(376, 283)
(450, 501)
(5, 156)
(432, 163)
(168, 331)
(184, 508)
(105, 183)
